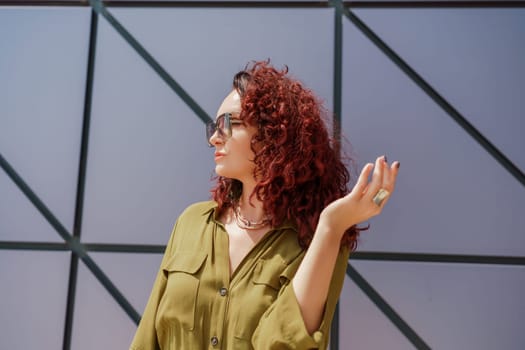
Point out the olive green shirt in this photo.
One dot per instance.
(195, 304)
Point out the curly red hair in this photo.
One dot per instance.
(298, 170)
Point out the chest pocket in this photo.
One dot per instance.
(267, 273)
(262, 290)
(177, 305)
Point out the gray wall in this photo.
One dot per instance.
(148, 159)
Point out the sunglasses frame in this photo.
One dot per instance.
(224, 131)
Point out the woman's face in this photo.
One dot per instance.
(234, 156)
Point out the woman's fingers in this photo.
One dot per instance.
(390, 175)
(386, 177)
(362, 182)
(394, 169)
(377, 178)
(367, 198)
(389, 181)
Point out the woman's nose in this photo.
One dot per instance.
(215, 138)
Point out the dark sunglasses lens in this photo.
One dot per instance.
(210, 130)
(221, 125)
(220, 122)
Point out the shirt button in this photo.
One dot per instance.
(223, 291)
(214, 341)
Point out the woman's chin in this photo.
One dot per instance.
(220, 171)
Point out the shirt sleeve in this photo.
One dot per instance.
(282, 325)
(146, 336)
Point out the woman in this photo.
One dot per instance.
(262, 266)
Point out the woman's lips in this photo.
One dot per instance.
(219, 155)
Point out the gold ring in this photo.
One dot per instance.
(380, 196)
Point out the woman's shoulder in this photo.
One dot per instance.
(192, 220)
(198, 209)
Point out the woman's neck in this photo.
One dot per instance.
(251, 208)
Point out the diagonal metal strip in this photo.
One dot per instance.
(434, 95)
(73, 243)
(387, 310)
(101, 9)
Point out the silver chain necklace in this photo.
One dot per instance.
(246, 224)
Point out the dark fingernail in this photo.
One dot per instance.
(398, 165)
(384, 157)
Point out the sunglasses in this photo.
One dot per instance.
(223, 126)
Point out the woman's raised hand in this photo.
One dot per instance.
(366, 199)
